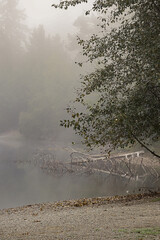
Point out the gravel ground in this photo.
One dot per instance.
(132, 217)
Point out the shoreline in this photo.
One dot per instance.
(88, 201)
(118, 217)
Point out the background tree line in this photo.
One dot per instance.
(37, 76)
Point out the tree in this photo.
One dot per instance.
(126, 79)
(12, 42)
(48, 85)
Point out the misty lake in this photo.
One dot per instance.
(22, 184)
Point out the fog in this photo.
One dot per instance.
(22, 183)
(38, 76)
(55, 21)
(38, 79)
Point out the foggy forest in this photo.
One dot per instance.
(34, 89)
(79, 119)
(55, 135)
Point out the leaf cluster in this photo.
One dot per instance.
(127, 78)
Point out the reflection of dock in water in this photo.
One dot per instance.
(129, 167)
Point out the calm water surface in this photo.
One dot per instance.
(22, 184)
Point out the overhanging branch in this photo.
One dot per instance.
(143, 145)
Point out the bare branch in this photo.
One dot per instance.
(143, 145)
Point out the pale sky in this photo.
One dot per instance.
(54, 20)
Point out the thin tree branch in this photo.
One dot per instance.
(143, 145)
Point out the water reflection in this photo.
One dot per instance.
(22, 184)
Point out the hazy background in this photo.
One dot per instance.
(54, 20)
(38, 79)
(38, 76)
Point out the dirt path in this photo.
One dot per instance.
(91, 219)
